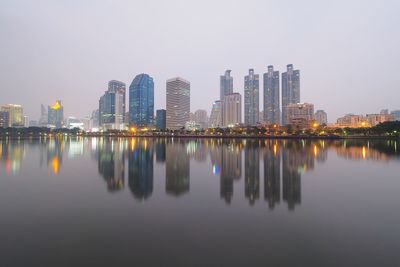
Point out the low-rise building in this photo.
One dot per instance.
(300, 115)
(352, 121)
(375, 119)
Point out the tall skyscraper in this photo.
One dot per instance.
(15, 113)
(178, 103)
(141, 100)
(226, 84)
(111, 110)
(216, 115)
(232, 110)
(161, 119)
(55, 115)
(251, 98)
(120, 88)
(271, 96)
(290, 90)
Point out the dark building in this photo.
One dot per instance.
(4, 119)
(141, 100)
(290, 91)
(161, 119)
(271, 96)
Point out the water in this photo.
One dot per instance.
(199, 202)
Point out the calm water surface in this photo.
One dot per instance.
(199, 202)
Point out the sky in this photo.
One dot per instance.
(347, 50)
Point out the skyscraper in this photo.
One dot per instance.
(141, 100)
(55, 115)
(43, 116)
(15, 113)
(110, 110)
(161, 117)
(226, 84)
(251, 98)
(232, 110)
(178, 103)
(216, 115)
(119, 87)
(271, 96)
(290, 90)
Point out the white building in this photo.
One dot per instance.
(232, 110)
(178, 102)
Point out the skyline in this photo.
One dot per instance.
(350, 57)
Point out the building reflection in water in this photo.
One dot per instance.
(252, 170)
(111, 163)
(177, 167)
(55, 150)
(11, 155)
(231, 167)
(272, 173)
(140, 175)
(160, 150)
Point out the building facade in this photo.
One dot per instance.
(119, 87)
(271, 97)
(232, 110)
(178, 103)
(55, 115)
(251, 98)
(161, 119)
(15, 115)
(226, 84)
(321, 117)
(216, 115)
(201, 117)
(290, 91)
(351, 120)
(396, 114)
(141, 101)
(300, 115)
(375, 119)
(111, 116)
(4, 119)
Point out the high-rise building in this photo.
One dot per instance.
(271, 96)
(161, 119)
(226, 84)
(201, 117)
(4, 119)
(43, 121)
(290, 90)
(300, 115)
(55, 115)
(111, 109)
(251, 98)
(216, 115)
(321, 117)
(141, 101)
(232, 110)
(178, 103)
(15, 113)
(119, 87)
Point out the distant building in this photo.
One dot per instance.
(44, 118)
(4, 119)
(226, 84)
(73, 123)
(55, 115)
(232, 110)
(15, 113)
(111, 111)
(201, 117)
(271, 97)
(192, 125)
(161, 119)
(216, 116)
(396, 114)
(375, 119)
(251, 98)
(321, 117)
(290, 91)
(141, 101)
(94, 120)
(120, 88)
(26, 121)
(353, 121)
(300, 115)
(33, 123)
(384, 112)
(178, 103)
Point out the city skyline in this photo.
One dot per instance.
(64, 68)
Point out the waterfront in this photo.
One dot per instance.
(199, 202)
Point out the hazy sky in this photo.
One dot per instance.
(348, 51)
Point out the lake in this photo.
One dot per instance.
(199, 202)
